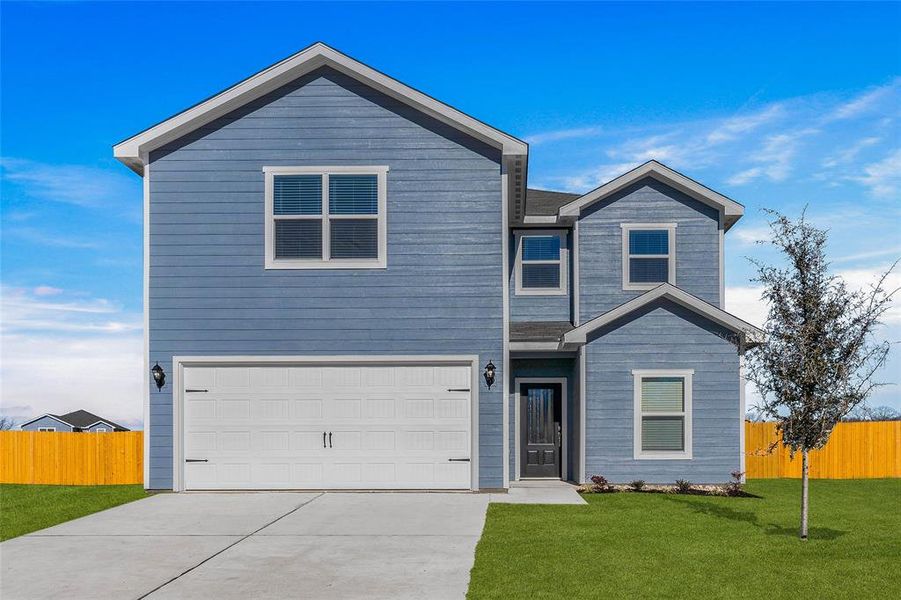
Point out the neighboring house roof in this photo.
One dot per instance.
(538, 331)
(79, 419)
(133, 150)
(732, 210)
(750, 335)
(44, 416)
(543, 203)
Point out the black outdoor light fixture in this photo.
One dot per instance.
(489, 374)
(159, 376)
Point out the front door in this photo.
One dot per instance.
(540, 429)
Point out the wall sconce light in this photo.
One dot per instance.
(159, 376)
(489, 374)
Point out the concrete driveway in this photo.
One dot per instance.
(259, 545)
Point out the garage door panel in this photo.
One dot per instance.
(392, 427)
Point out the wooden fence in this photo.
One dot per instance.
(859, 450)
(71, 458)
(855, 451)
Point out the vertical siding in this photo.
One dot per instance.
(441, 292)
(46, 422)
(664, 336)
(545, 367)
(646, 201)
(540, 308)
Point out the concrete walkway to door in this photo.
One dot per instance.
(254, 545)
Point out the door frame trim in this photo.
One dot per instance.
(178, 406)
(564, 446)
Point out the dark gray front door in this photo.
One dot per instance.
(540, 435)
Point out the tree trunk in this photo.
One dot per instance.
(805, 465)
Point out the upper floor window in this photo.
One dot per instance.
(326, 217)
(541, 263)
(662, 414)
(649, 255)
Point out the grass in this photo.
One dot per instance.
(669, 546)
(27, 508)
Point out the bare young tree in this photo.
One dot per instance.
(7, 423)
(820, 355)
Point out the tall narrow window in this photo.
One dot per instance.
(326, 217)
(541, 263)
(662, 414)
(649, 255)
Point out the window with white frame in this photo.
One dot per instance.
(541, 263)
(46, 428)
(662, 414)
(649, 255)
(101, 430)
(326, 217)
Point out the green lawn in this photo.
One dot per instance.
(667, 546)
(27, 508)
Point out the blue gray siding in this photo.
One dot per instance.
(546, 367)
(540, 308)
(646, 201)
(662, 336)
(109, 428)
(46, 422)
(440, 294)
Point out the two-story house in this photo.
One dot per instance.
(349, 285)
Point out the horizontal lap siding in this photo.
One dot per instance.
(441, 292)
(663, 337)
(647, 201)
(539, 308)
(46, 422)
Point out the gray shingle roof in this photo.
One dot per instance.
(542, 203)
(538, 331)
(82, 418)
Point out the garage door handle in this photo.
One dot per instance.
(197, 390)
(196, 460)
(323, 439)
(458, 389)
(458, 460)
(329, 439)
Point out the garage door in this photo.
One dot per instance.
(398, 426)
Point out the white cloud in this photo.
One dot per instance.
(894, 252)
(733, 127)
(46, 290)
(883, 178)
(750, 235)
(850, 153)
(45, 238)
(59, 356)
(563, 134)
(865, 102)
(79, 185)
(745, 303)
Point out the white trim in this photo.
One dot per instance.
(731, 209)
(54, 417)
(741, 416)
(563, 262)
(108, 424)
(576, 282)
(132, 151)
(722, 235)
(583, 402)
(101, 430)
(180, 362)
(145, 395)
(686, 413)
(535, 346)
(627, 228)
(539, 220)
(564, 446)
(326, 262)
(46, 429)
(505, 291)
(746, 330)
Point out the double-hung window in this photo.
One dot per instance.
(48, 429)
(326, 217)
(541, 263)
(649, 255)
(662, 414)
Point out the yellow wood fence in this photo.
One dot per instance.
(71, 458)
(860, 450)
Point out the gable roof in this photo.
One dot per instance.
(132, 151)
(732, 210)
(750, 335)
(80, 419)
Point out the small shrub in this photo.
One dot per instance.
(600, 485)
(683, 486)
(637, 485)
(734, 487)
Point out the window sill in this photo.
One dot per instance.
(663, 456)
(541, 292)
(301, 265)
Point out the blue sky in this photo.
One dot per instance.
(775, 105)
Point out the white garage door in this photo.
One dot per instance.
(337, 426)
